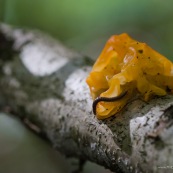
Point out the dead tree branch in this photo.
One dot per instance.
(44, 83)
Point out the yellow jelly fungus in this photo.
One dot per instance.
(128, 65)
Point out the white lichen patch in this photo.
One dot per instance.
(141, 126)
(40, 60)
(41, 54)
(145, 147)
(21, 38)
(13, 82)
(7, 69)
(76, 89)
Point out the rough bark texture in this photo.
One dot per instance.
(44, 83)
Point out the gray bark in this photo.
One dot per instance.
(43, 82)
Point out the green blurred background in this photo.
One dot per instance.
(84, 26)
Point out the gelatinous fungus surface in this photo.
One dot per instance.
(128, 65)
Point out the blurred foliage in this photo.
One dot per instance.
(84, 24)
(2, 2)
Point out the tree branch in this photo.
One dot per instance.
(44, 83)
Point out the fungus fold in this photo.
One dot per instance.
(128, 65)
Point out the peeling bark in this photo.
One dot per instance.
(44, 83)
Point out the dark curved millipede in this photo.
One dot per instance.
(107, 99)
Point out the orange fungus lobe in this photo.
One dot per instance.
(126, 65)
